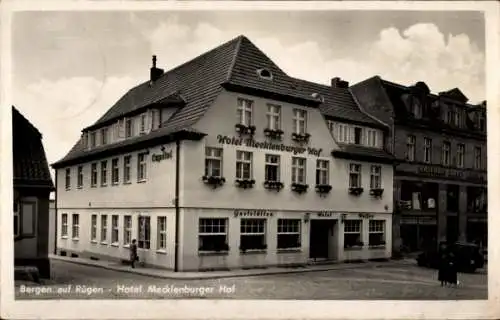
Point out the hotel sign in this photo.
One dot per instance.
(444, 173)
(326, 214)
(252, 213)
(234, 141)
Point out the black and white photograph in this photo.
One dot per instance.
(172, 155)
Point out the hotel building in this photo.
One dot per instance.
(227, 162)
(439, 140)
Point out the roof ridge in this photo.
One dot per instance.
(235, 56)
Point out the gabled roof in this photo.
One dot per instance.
(194, 85)
(455, 94)
(30, 163)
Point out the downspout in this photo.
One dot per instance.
(55, 215)
(176, 200)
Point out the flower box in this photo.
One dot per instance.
(301, 137)
(245, 183)
(299, 187)
(357, 245)
(256, 248)
(243, 129)
(323, 188)
(273, 185)
(356, 191)
(273, 134)
(213, 181)
(376, 193)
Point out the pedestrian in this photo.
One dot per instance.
(452, 271)
(133, 253)
(443, 267)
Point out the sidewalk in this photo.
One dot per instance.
(167, 274)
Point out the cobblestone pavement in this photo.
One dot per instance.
(395, 282)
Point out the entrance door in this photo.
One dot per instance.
(319, 238)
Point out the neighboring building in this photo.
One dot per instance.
(226, 162)
(440, 143)
(32, 186)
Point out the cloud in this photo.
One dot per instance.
(419, 53)
(60, 109)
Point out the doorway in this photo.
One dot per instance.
(319, 238)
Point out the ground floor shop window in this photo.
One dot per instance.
(477, 232)
(253, 234)
(377, 232)
(212, 234)
(477, 199)
(352, 234)
(417, 237)
(127, 230)
(418, 196)
(289, 234)
(144, 236)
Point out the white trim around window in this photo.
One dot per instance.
(299, 121)
(213, 162)
(64, 225)
(273, 116)
(244, 164)
(245, 112)
(322, 172)
(75, 226)
(299, 174)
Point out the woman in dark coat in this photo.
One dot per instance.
(133, 253)
(443, 268)
(451, 276)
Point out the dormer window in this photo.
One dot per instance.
(318, 97)
(417, 110)
(265, 74)
(104, 136)
(128, 128)
(357, 135)
(481, 122)
(93, 139)
(143, 124)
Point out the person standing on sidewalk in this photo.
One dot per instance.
(133, 253)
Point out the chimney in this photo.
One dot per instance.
(155, 72)
(339, 83)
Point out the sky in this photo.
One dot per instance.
(69, 68)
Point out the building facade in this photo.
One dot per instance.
(440, 181)
(228, 163)
(32, 186)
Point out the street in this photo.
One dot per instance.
(393, 282)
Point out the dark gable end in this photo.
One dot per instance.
(192, 87)
(31, 169)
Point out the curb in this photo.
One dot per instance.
(211, 277)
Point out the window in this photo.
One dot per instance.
(79, 182)
(162, 233)
(272, 168)
(213, 162)
(156, 115)
(127, 230)
(243, 165)
(141, 167)
(75, 226)
(93, 139)
(93, 175)
(322, 172)
(289, 234)
(144, 238)
(104, 136)
(460, 155)
(343, 133)
(417, 110)
(142, 124)
(410, 148)
(104, 228)
(298, 170)
(27, 220)
(104, 173)
(451, 115)
(427, 150)
(354, 175)
(376, 229)
(375, 177)
(68, 178)
(331, 126)
(371, 138)
(245, 108)
(357, 135)
(114, 229)
(212, 234)
(115, 171)
(299, 121)
(273, 117)
(128, 128)
(352, 233)
(253, 234)
(93, 228)
(445, 155)
(477, 158)
(126, 169)
(481, 122)
(458, 118)
(64, 225)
